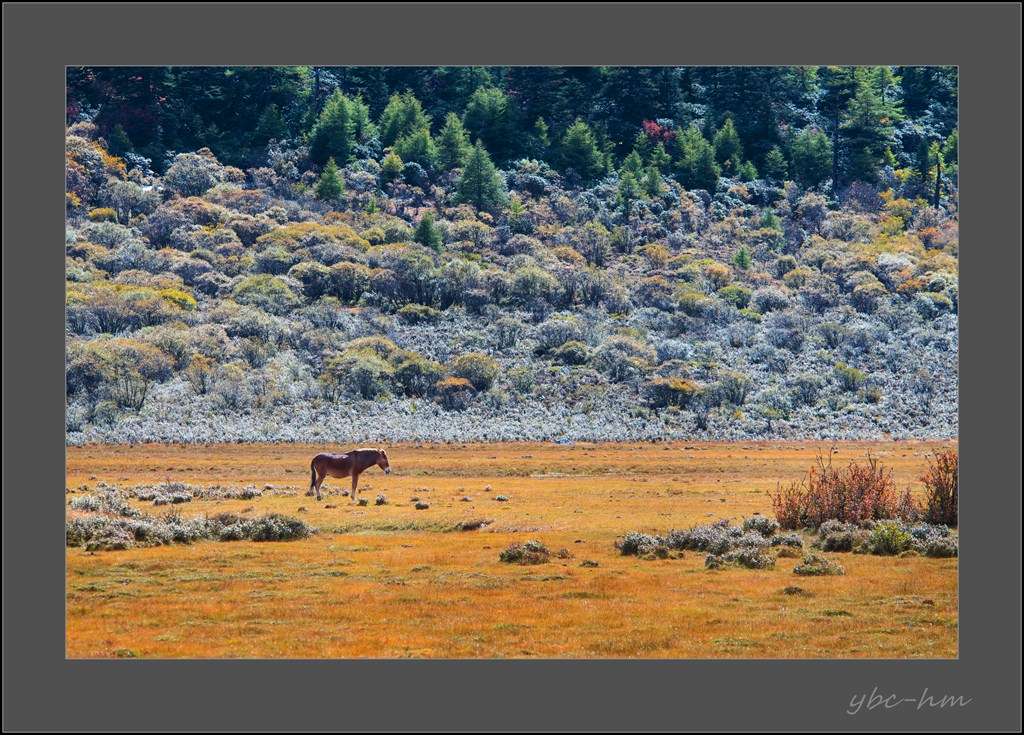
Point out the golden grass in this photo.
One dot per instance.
(392, 581)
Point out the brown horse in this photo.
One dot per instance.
(344, 465)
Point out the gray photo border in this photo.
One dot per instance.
(43, 691)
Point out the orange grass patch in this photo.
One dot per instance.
(392, 581)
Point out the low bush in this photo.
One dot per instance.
(748, 558)
(528, 552)
(761, 524)
(814, 565)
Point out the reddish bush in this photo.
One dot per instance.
(855, 494)
(942, 481)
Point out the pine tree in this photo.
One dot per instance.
(492, 118)
(427, 233)
(742, 258)
(812, 157)
(330, 186)
(652, 183)
(332, 137)
(453, 144)
(403, 116)
(417, 147)
(695, 166)
(579, 155)
(775, 168)
(271, 126)
(728, 150)
(632, 164)
(540, 142)
(480, 183)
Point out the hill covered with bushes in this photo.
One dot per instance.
(458, 254)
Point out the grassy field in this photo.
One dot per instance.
(393, 581)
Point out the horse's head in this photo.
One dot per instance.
(382, 461)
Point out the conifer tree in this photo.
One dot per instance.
(331, 137)
(728, 150)
(452, 144)
(480, 183)
(580, 156)
(330, 186)
(775, 168)
(742, 259)
(427, 233)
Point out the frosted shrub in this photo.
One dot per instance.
(761, 524)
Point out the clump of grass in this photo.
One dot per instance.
(363, 501)
(528, 552)
(420, 505)
(501, 499)
(815, 565)
(380, 500)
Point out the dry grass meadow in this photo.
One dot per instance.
(392, 581)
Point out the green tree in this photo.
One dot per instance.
(480, 183)
(271, 126)
(492, 118)
(775, 167)
(427, 233)
(453, 144)
(628, 193)
(417, 147)
(330, 186)
(403, 116)
(695, 163)
(728, 150)
(579, 155)
(812, 157)
(391, 168)
(332, 135)
(540, 139)
(742, 258)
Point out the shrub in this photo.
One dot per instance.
(855, 494)
(380, 500)
(480, 370)
(888, 538)
(662, 392)
(849, 378)
(418, 314)
(735, 386)
(942, 480)
(421, 505)
(529, 552)
(418, 376)
(454, 394)
(640, 544)
(738, 296)
(748, 558)
(815, 565)
(572, 353)
(787, 540)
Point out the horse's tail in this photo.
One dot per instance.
(312, 468)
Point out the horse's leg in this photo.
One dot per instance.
(355, 484)
(320, 477)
